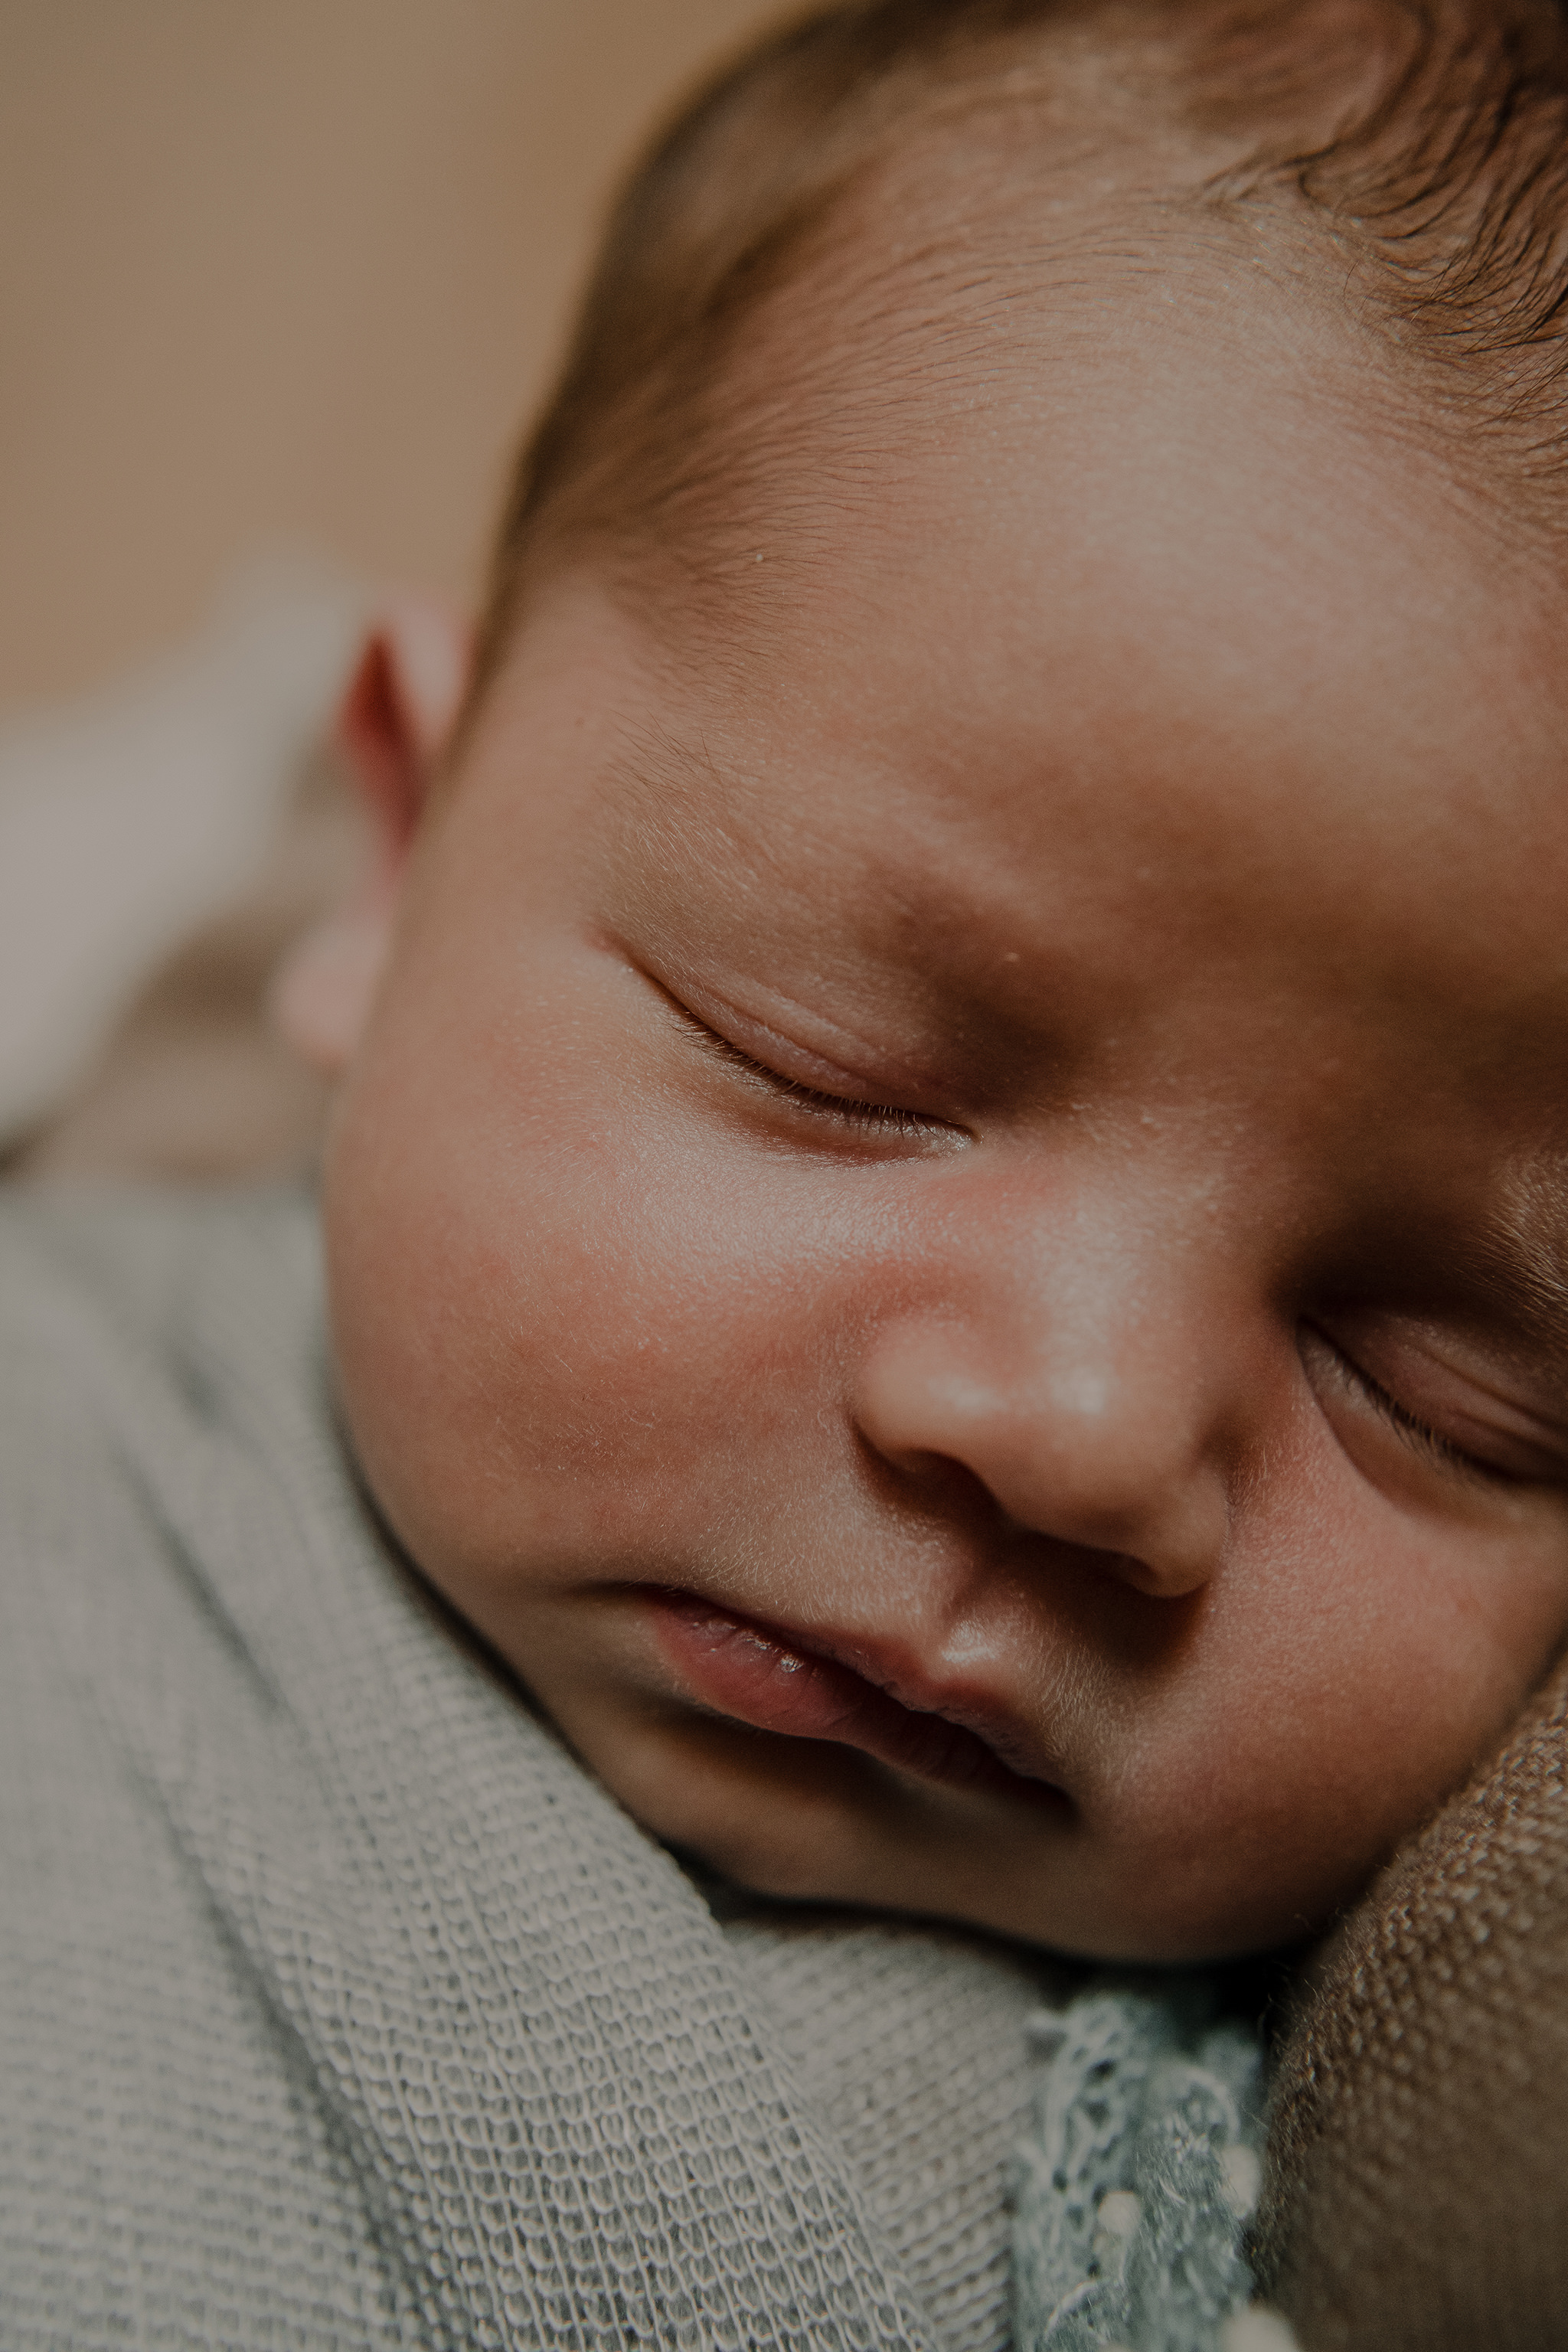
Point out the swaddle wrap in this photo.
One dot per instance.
(339, 2007)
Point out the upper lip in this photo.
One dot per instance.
(888, 1670)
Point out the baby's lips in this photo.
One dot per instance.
(764, 1678)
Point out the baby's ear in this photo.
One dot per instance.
(397, 716)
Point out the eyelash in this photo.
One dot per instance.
(1417, 1432)
(872, 1119)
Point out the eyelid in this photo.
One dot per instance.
(779, 1049)
(869, 1118)
(1419, 1435)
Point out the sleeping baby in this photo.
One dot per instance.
(946, 1259)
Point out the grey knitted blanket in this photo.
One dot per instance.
(338, 2007)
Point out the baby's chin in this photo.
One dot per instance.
(810, 1821)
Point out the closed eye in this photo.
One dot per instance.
(1417, 1433)
(879, 1121)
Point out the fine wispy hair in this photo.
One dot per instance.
(1418, 148)
(1444, 178)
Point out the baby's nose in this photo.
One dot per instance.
(1113, 1457)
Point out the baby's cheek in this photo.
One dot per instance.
(1353, 1661)
(569, 1341)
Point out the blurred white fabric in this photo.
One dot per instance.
(131, 816)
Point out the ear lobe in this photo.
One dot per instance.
(397, 719)
(323, 990)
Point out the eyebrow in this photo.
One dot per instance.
(1524, 1248)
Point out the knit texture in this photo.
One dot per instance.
(338, 2008)
(341, 2008)
(1414, 2196)
(912, 2041)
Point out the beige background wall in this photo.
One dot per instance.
(287, 271)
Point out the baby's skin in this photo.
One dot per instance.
(946, 1218)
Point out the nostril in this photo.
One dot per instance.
(1163, 1577)
(940, 1483)
(946, 1493)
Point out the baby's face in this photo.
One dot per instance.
(951, 1230)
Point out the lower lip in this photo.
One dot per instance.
(741, 1670)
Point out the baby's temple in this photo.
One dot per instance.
(837, 1621)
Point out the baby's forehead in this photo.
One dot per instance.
(1153, 544)
(1143, 402)
(888, 223)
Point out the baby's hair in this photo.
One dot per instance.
(1417, 149)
